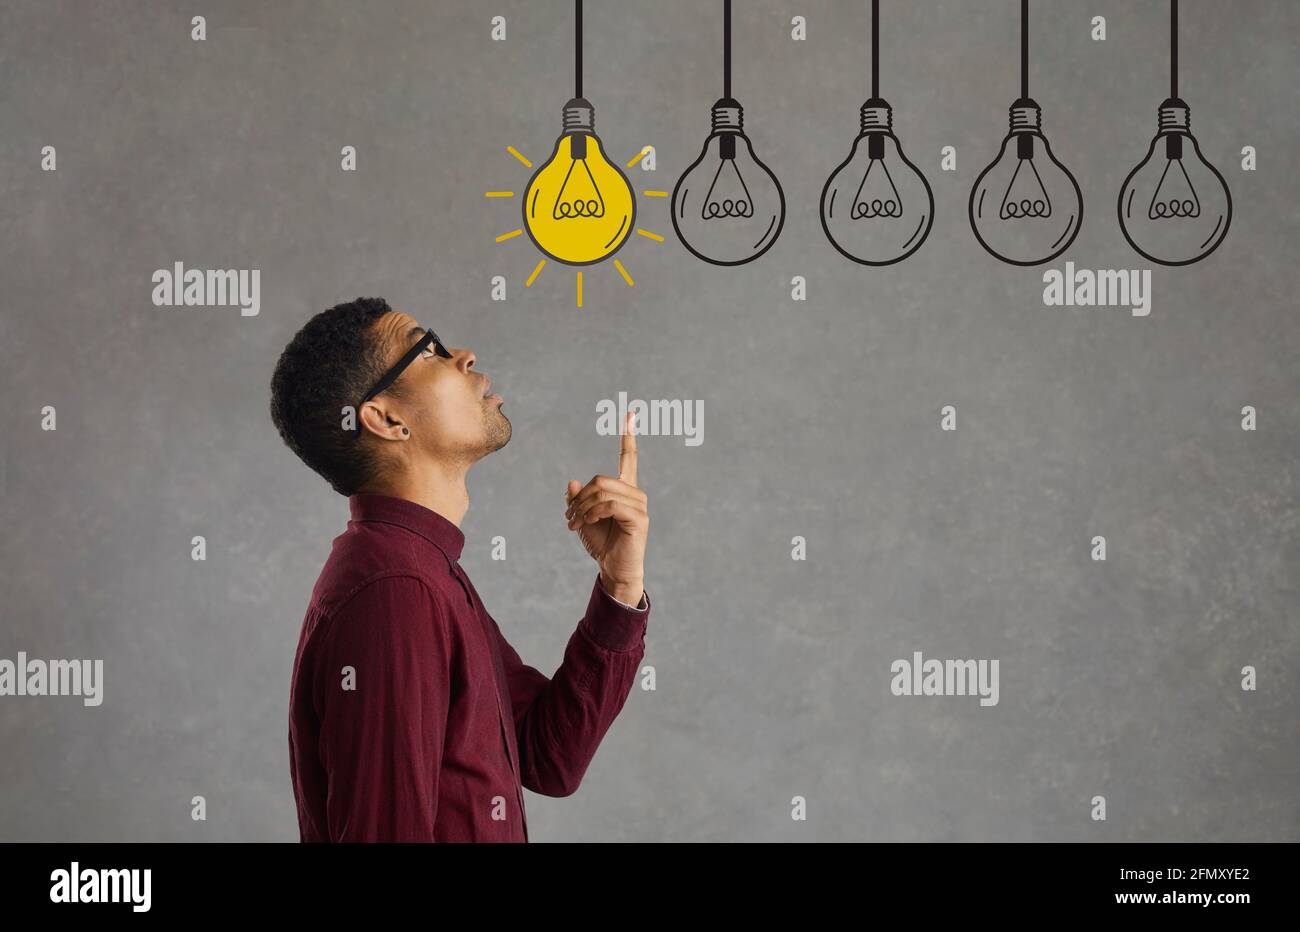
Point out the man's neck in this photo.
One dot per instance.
(440, 490)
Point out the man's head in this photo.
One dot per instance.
(437, 414)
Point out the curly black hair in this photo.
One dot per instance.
(330, 363)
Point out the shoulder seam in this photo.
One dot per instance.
(377, 577)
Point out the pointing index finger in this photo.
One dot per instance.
(627, 451)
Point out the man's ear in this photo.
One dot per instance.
(383, 420)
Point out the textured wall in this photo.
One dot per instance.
(1120, 679)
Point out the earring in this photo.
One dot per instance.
(406, 432)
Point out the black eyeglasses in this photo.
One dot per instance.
(400, 366)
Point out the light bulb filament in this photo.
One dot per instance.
(584, 201)
(1025, 196)
(871, 208)
(1180, 200)
(717, 205)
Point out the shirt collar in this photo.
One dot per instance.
(386, 509)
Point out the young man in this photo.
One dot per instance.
(410, 716)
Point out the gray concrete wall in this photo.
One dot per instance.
(1119, 679)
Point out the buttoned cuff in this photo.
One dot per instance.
(612, 624)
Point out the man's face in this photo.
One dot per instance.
(449, 407)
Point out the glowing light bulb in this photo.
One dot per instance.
(877, 207)
(728, 207)
(1026, 207)
(579, 207)
(1175, 208)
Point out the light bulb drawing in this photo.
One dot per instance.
(578, 207)
(871, 212)
(1025, 208)
(1174, 207)
(727, 207)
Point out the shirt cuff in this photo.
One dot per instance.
(636, 608)
(612, 624)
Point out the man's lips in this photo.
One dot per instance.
(488, 395)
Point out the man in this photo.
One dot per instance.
(410, 716)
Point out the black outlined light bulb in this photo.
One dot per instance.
(1026, 207)
(876, 207)
(728, 208)
(1175, 207)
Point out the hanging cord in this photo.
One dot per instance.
(1173, 48)
(726, 48)
(875, 48)
(875, 141)
(1024, 48)
(577, 49)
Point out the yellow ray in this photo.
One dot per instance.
(622, 271)
(532, 278)
(579, 289)
(511, 235)
(654, 236)
(638, 157)
(498, 193)
(517, 154)
(655, 193)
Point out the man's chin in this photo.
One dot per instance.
(499, 431)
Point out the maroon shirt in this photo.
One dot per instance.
(411, 718)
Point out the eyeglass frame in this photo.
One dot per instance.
(399, 367)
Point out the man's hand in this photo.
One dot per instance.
(611, 518)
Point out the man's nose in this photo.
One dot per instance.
(464, 358)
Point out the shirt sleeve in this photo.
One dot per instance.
(383, 681)
(560, 720)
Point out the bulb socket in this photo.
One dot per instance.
(1175, 116)
(1026, 116)
(877, 116)
(728, 116)
(579, 116)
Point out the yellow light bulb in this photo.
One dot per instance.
(579, 207)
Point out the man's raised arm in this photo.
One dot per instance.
(561, 721)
